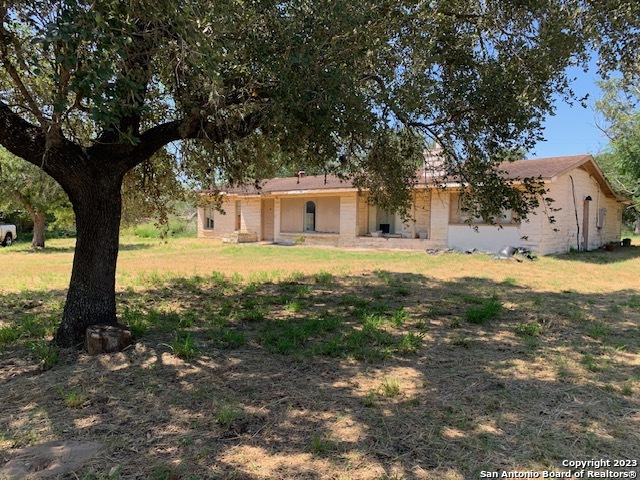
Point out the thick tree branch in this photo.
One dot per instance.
(21, 137)
(190, 128)
(450, 118)
(62, 159)
(137, 68)
(460, 15)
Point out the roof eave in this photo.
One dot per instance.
(594, 170)
(314, 191)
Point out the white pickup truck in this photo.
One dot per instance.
(8, 234)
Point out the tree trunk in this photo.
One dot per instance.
(38, 218)
(637, 229)
(91, 297)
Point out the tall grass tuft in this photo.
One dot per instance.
(184, 346)
(323, 278)
(46, 353)
(9, 335)
(487, 310)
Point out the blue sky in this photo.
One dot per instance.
(573, 129)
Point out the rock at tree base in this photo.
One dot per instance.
(107, 339)
(48, 460)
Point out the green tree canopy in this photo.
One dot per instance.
(621, 160)
(90, 90)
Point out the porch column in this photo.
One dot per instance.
(276, 219)
(440, 217)
(413, 214)
(348, 217)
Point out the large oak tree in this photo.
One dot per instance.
(90, 90)
(620, 107)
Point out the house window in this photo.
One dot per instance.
(504, 218)
(381, 220)
(385, 221)
(238, 215)
(208, 217)
(457, 216)
(309, 217)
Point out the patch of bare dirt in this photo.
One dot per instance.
(48, 460)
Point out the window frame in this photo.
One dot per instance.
(506, 218)
(208, 218)
(306, 216)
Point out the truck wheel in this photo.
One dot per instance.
(8, 240)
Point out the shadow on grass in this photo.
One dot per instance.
(123, 248)
(375, 376)
(620, 254)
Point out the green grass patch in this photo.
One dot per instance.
(530, 329)
(369, 400)
(164, 471)
(167, 321)
(321, 445)
(74, 398)
(531, 342)
(358, 316)
(356, 303)
(634, 302)
(175, 228)
(287, 337)
(137, 322)
(367, 344)
(252, 315)
(390, 387)
(454, 323)
(227, 338)
(590, 363)
(226, 414)
(322, 336)
(399, 317)
(295, 289)
(461, 341)
(185, 346)
(45, 352)
(284, 339)
(598, 331)
(9, 334)
(323, 278)
(487, 310)
(402, 291)
(36, 327)
(411, 342)
(294, 306)
(372, 321)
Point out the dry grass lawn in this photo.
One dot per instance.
(266, 362)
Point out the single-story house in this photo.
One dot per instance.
(325, 210)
